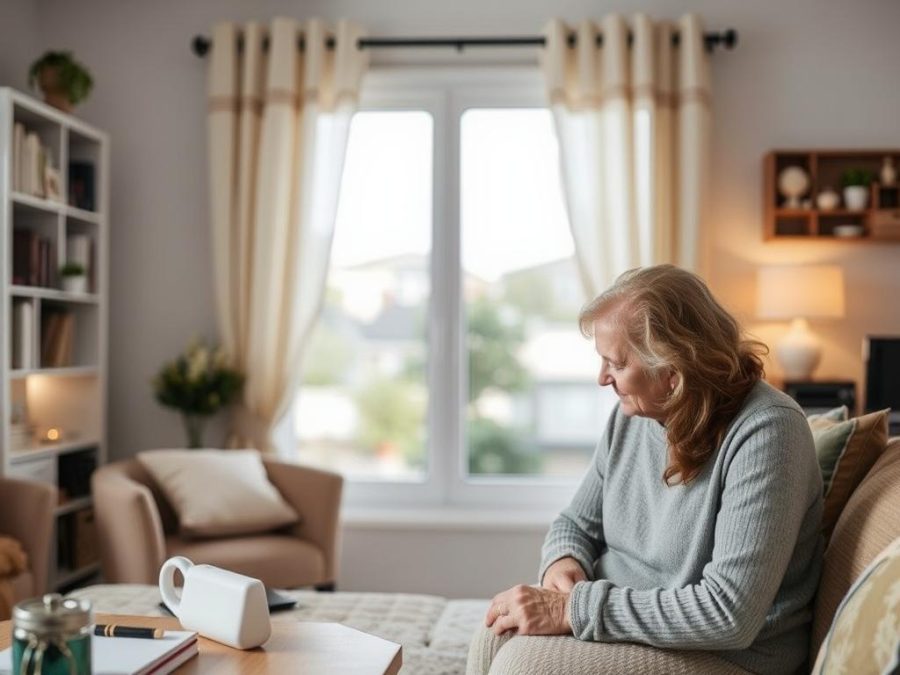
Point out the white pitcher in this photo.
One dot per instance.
(224, 606)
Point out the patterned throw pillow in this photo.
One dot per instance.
(846, 449)
(865, 634)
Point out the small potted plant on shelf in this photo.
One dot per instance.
(198, 383)
(63, 80)
(74, 278)
(856, 188)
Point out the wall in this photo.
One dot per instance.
(806, 73)
(18, 41)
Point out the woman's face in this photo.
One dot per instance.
(620, 369)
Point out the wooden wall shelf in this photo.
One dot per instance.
(880, 221)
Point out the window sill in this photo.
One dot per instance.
(448, 518)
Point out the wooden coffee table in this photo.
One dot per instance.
(294, 647)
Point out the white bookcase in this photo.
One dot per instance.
(54, 342)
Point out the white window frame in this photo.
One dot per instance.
(446, 93)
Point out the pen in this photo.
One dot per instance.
(115, 630)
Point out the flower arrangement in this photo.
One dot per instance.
(198, 383)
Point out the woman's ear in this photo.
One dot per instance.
(674, 381)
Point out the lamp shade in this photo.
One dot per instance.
(810, 292)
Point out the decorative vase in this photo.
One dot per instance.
(856, 197)
(828, 200)
(194, 426)
(888, 172)
(75, 284)
(793, 182)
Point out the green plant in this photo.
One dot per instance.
(862, 177)
(72, 270)
(198, 383)
(71, 77)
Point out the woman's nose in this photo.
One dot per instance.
(604, 378)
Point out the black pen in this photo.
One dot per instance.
(115, 630)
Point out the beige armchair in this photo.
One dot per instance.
(26, 514)
(138, 529)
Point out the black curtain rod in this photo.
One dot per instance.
(728, 39)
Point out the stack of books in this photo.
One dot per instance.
(34, 262)
(33, 171)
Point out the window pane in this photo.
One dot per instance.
(534, 406)
(362, 407)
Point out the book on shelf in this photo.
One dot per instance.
(133, 656)
(22, 335)
(82, 192)
(57, 340)
(33, 259)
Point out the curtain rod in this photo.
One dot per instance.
(728, 38)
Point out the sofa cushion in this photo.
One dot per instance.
(218, 493)
(846, 450)
(279, 561)
(869, 522)
(865, 634)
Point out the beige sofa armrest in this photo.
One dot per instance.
(129, 529)
(26, 514)
(316, 496)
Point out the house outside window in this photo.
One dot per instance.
(447, 367)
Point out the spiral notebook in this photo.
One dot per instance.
(132, 656)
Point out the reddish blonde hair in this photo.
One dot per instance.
(674, 325)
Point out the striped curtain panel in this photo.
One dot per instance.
(279, 118)
(633, 121)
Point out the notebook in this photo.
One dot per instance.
(132, 656)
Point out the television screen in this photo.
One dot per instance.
(883, 375)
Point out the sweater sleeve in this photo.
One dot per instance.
(578, 531)
(765, 496)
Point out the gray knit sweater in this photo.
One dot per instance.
(729, 562)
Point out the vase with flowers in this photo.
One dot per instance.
(198, 383)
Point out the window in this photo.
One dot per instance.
(447, 366)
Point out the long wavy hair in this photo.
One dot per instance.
(674, 325)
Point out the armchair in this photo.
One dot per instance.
(138, 529)
(26, 514)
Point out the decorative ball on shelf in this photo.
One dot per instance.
(793, 182)
(828, 200)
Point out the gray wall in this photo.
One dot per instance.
(18, 41)
(819, 73)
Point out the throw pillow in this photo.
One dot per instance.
(218, 492)
(846, 450)
(865, 634)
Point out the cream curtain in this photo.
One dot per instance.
(278, 125)
(633, 122)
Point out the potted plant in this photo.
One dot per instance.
(74, 278)
(856, 184)
(198, 383)
(64, 81)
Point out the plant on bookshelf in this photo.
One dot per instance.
(74, 277)
(63, 80)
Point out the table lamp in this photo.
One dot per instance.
(800, 293)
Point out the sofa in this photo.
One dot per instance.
(435, 632)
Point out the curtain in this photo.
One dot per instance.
(278, 125)
(633, 123)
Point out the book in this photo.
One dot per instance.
(22, 335)
(133, 656)
(18, 150)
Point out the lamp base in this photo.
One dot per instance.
(799, 352)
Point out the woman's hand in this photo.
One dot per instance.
(529, 610)
(563, 575)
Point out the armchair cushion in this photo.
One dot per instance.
(218, 493)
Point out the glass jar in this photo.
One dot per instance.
(51, 636)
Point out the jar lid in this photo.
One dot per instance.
(52, 614)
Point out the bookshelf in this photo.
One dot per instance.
(54, 197)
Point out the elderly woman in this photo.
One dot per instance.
(696, 529)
